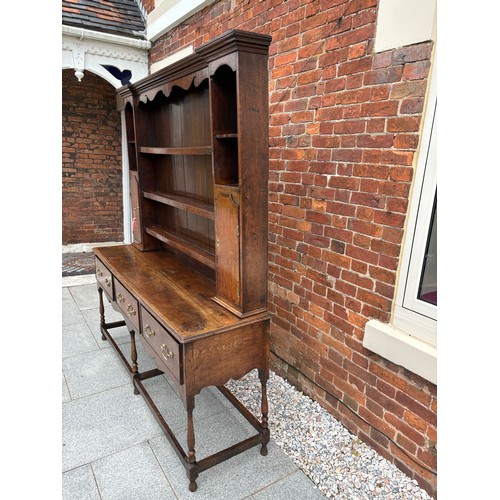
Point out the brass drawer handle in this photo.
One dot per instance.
(120, 298)
(107, 281)
(131, 310)
(99, 272)
(149, 331)
(169, 354)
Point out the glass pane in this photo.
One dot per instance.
(428, 280)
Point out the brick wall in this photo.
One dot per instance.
(91, 153)
(344, 128)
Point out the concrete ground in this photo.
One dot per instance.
(113, 448)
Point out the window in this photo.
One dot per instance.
(427, 290)
(416, 300)
(410, 339)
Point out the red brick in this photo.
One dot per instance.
(406, 141)
(417, 70)
(352, 96)
(374, 125)
(375, 141)
(285, 59)
(382, 108)
(382, 59)
(354, 66)
(354, 81)
(403, 124)
(349, 127)
(358, 50)
(347, 155)
(383, 75)
(412, 106)
(407, 89)
(412, 53)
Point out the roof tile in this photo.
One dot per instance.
(119, 17)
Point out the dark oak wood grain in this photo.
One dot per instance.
(193, 285)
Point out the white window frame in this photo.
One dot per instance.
(410, 340)
(411, 314)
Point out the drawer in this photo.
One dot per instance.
(127, 303)
(104, 278)
(167, 350)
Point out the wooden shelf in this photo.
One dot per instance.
(185, 203)
(189, 150)
(204, 255)
(226, 136)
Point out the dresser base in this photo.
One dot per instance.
(192, 466)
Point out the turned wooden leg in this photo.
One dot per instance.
(133, 357)
(264, 376)
(101, 312)
(192, 470)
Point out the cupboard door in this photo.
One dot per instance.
(227, 247)
(136, 215)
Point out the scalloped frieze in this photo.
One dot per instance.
(184, 83)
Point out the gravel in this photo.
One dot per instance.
(337, 461)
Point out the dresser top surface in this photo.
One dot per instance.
(177, 295)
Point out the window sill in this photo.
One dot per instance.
(402, 349)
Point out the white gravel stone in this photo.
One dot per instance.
(337, 461)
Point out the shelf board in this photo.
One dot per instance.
(185, 203)
(203, 255)
(188, 150)
(226, 136)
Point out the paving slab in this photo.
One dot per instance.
(79, 484)
(101, 424)
(95, 371)
(86, 296)
(77, 338)
(71, 313)
(132, 474)
(295, 486)
(66, 295)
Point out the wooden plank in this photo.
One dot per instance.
(200, 254)
(226, 136)
(187, 150)
(190, 205)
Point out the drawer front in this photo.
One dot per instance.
(166, 348)
(127, 303)
(104, 278)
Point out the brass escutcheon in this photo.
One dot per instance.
(120, 298)
(131, 310)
